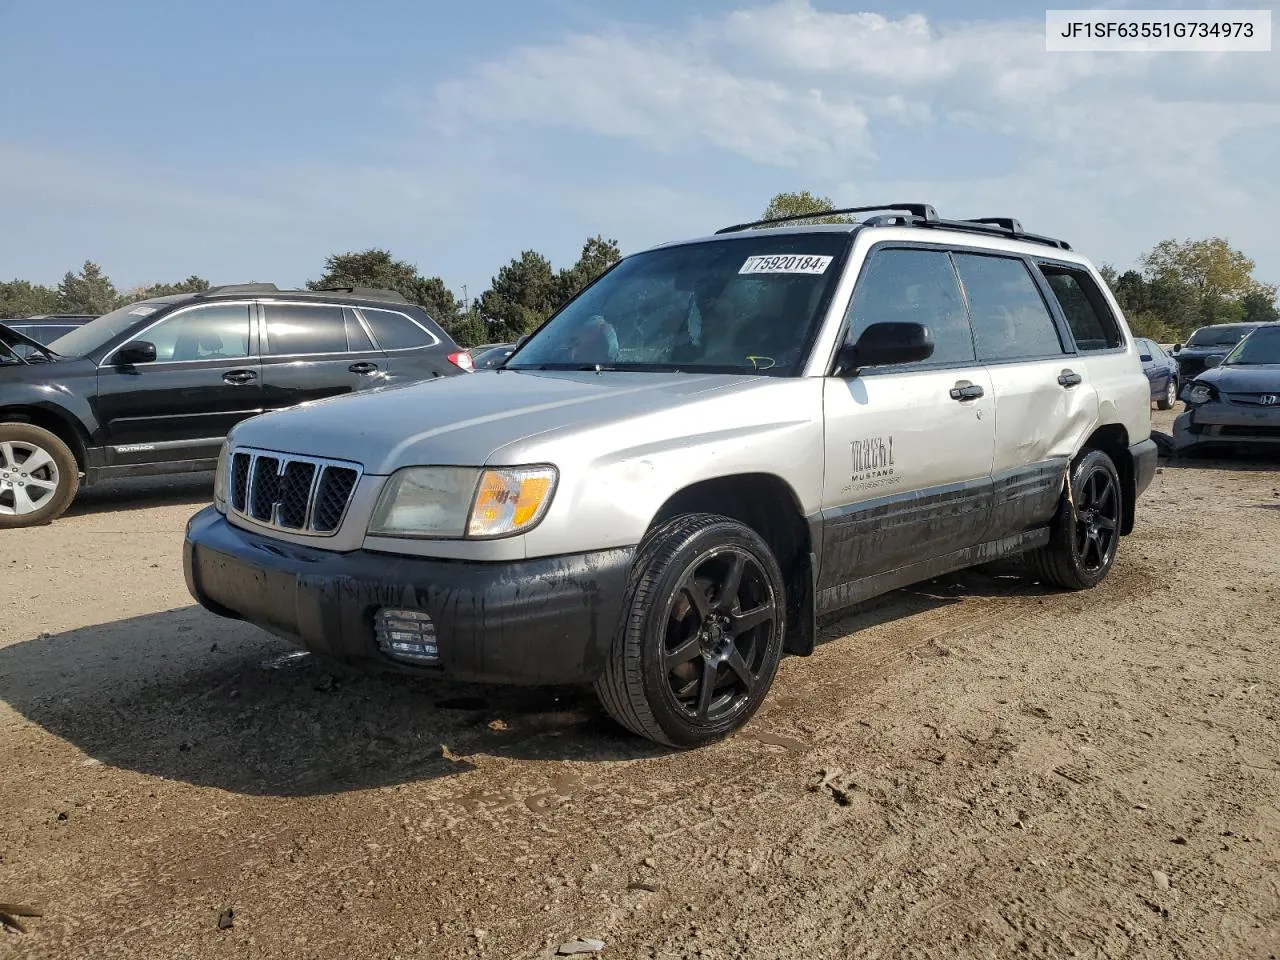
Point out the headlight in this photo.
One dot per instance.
(456, 502)
(425, 502)
(1200, 393)
(220, 480)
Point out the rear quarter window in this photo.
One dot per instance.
(395, 331)
(1092, 324)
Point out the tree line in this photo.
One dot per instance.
(1175, 287)
(522, 294)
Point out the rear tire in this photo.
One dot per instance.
(1085, 534)
(39, 476)
(701, 633)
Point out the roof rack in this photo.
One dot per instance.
(238, 288)
(924, 211)
(915, 215)
(369, 293)
(988, 226)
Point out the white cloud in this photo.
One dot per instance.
(1111, 144)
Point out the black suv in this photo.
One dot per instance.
(154, 387)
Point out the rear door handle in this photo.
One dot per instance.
(1069, 378)
(964, 390)
(239, 376)
(364, 366)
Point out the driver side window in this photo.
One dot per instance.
(914, 286)
(219, 331)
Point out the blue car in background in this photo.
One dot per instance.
(1162, 372)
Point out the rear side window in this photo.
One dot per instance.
(1086, 310)
(914, 286)
(1010, 319)
(395, 331)
(300, 328)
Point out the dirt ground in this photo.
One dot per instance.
(976, 767)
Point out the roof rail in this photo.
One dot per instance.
(369, 293)
(924, 211)
(238, 288)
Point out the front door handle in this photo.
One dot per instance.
(964, 390)
(239, 376)
(1069, 378)
(364, 366)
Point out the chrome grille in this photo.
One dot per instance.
(296, 494)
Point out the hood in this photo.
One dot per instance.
(1241, 378)
(462, 420)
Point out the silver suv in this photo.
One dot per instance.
(716, 443)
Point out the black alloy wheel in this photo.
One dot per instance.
(719, 626)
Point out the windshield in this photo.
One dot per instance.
(1217, 336)
(1261, 346)
(748, 305)
(98, 333)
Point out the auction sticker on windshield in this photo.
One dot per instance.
(796, 263)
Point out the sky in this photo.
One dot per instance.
(246, 141)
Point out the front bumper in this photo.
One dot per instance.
(544, 621)
(1223, 424)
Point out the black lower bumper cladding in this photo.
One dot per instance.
(1146, 456)
(545, 621)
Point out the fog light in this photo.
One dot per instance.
(406, 635)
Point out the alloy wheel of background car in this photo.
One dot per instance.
(38, 475)
(701, 635)
(1085, 534)
(1170, 396)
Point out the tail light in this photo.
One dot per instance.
(463, 359)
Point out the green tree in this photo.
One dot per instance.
(520, 297)
(19, 298)
(1259, 307)
(89, 291)
(380, 270)
(1212, 275)
(598, 255)
(798, 204)
(192, 284)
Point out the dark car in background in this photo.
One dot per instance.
(1161, 371)
(1235, 403)
(1215, 340)
(491, 355)
(153, 388)
(48, 327)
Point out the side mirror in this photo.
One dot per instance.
(1177, 348)
(1145, 358)
(885, 344)
(1213, 361)
(139, 351)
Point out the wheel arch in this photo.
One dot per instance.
(1113, 440)
(766, 503)
(60, 424)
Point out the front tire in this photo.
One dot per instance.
(1170, 396)
(39, 475)
(701, 633)
(1086, 530)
